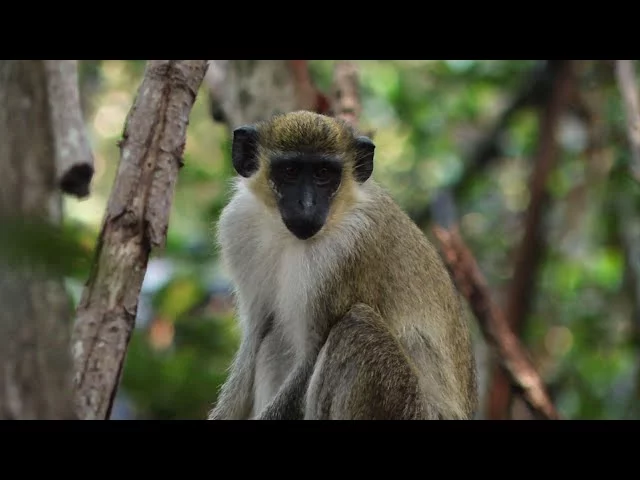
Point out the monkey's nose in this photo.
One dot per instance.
(307, 202)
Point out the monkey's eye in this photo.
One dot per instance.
(290, 172)
(322, 175)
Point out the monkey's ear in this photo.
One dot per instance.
(364, 159)
(244, 150)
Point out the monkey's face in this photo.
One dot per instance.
(304, 157)
(304, 185)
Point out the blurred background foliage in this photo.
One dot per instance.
(428, 118)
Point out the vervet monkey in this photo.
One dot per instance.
(346, 309)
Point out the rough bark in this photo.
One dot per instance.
(35, 318)
(628, 88)
(247, 91)
(253, 90)
(74, 158)
(136, 221)
(527, 257)
(493, 323)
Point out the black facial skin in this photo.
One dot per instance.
(305, 185)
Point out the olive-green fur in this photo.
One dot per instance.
(366, 362)
(396, 271)
(305, 132)
(384, 318)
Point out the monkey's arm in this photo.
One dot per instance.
(288, 403)
(362, 373)
(235, 400)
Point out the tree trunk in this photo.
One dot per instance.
(136, 221)
(247, 91)
(35, 319)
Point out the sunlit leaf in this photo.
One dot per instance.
(607, 268)
(178, 297)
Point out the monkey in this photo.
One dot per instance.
(346, 309)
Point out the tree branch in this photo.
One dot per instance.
(246, 91)
(346, 92)
(493, 323)
(35, 364)
(529, 252)
(627, 232)
(309, 97)
(628, 85)
(535, 91)
(136, 221)
(74, 158)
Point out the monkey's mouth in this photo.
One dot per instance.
(303, 229)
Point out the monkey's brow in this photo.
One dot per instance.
(288, 157)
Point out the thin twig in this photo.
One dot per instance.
(628, 89)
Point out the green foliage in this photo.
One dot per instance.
(36, 243)
(182, 382)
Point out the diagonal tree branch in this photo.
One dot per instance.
(628, 89)
(136, 221)
(493, 323)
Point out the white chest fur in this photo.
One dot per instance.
(273, 272)
(276, 273)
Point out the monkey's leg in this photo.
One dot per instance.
(363, 374)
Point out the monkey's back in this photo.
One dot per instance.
(396, 270)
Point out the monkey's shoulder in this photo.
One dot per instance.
(395, 265)
(394, 238)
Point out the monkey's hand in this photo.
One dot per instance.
(288, 403)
